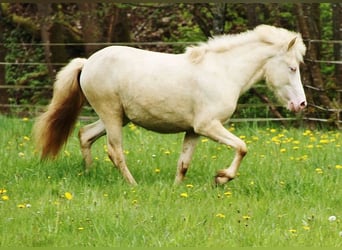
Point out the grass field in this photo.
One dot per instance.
(288, 192)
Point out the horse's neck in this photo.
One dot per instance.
(253, 72)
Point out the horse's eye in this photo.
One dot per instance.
(293, 69)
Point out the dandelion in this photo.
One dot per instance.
(25, 119)
(21, 206)
(292, 231)
(134, 202)
(167, 152)
(157, 170)
(338, 166)
(324, 141)
(80, 228)
(189, 185)
(219, 215)
(68, 196)
(319, 171)
(184, 195)
(204, 140)
(3, 191)
(5, 198)
(26, 138)
(21, 154)
(282, 150)
(228, 193)
(306, 228)
(246, 217)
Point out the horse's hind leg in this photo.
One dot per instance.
(189, 144)
(87, 136)
(115, 152)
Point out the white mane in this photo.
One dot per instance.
(263, 33)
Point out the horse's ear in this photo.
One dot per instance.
(291, 43)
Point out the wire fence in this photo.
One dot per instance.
(34, 109)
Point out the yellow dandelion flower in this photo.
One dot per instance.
(204, 140)
(26, 138)
(228, 193)
(272, 130)
(21, 206)
(219, 215)
(157, 170)
(21, 154)
(167, 152)
(189, 185)
(306, 228)
(324, 141)
(68, 196)
(292, 231)
(282, 150)
(134, 202)
(184, 195)
(3, 191)
(319, 171)
(246, 217)
(80, 228)
(338, 166)
(25, 119)
(5, 198)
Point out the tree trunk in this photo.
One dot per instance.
(337, 35)
(3, 92)
(91, 27)
(309, 29)
(219, 18)
(44, 11)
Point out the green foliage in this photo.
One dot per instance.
(286, 193)
(23, 68)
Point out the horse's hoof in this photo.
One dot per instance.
(222, 178)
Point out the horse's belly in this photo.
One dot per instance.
(160, 119)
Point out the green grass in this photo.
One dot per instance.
(289, 185)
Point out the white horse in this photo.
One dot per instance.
(195, 92)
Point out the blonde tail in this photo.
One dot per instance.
(53, 127)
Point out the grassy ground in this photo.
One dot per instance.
(288, 192)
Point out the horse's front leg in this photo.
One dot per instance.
(217, 132)
(189, 144)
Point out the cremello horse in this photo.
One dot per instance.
(195, 92)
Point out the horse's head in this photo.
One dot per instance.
(283, 75)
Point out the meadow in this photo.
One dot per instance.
(288, 192)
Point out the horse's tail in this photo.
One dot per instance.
(53, 127)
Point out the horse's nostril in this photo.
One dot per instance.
(303, 104)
